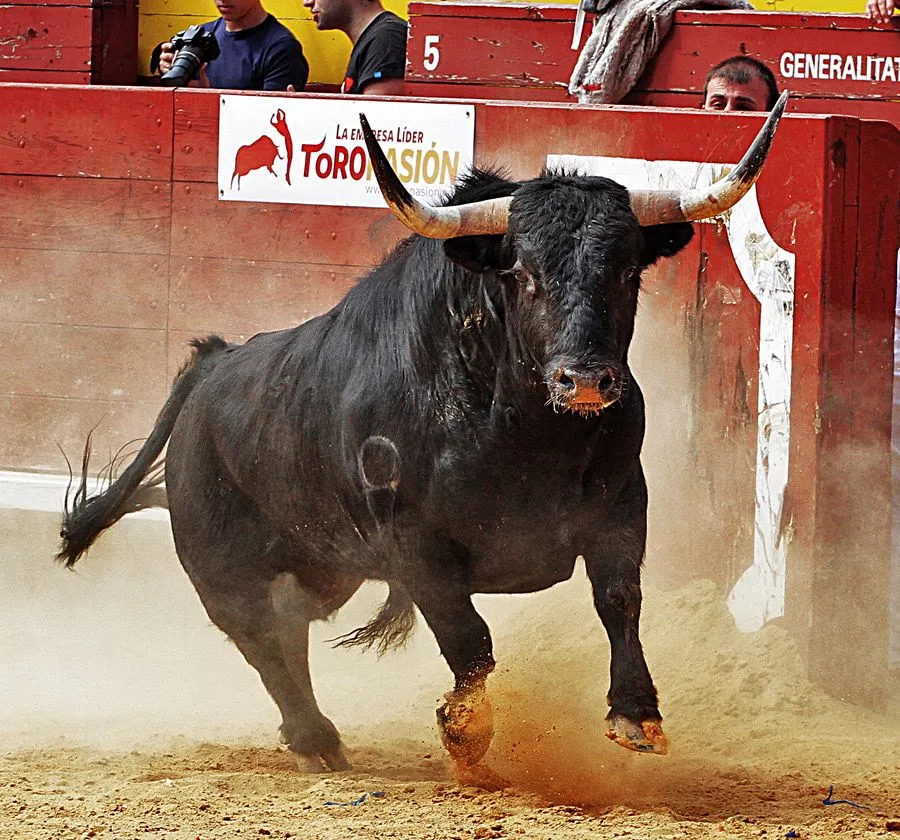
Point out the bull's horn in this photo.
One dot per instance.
(657, 207)
(482, 217)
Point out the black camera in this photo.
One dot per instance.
(193, 47)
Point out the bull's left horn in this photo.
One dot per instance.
(657, 207)
(482, 217)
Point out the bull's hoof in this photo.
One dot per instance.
(478, 776)
(308, 763)
(466, 723)
(329, 760)
(336, 759)
(646, 737)
(314, 751)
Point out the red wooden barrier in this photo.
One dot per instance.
(831, 63)
(495, 50)
(114, 250)
(69, 41)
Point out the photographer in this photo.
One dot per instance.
(251, 51)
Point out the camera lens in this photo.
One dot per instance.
(184, 68)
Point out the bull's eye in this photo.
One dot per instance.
(525, 280)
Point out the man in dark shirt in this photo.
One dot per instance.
(378, 60)
(257, 52)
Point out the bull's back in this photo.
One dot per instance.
(245, 426)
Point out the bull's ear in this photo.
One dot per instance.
(479, 253)
(664, 241)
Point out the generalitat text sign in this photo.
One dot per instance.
(311, 151)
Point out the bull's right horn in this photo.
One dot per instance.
(657, 207)
(481, 217)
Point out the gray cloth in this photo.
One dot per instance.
(626, 36)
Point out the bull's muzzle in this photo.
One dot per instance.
(586, 392)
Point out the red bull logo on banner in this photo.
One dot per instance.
(301, 151)
(264, 151)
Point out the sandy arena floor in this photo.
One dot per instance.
(126, 715)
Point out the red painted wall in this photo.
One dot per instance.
(114, 251)
(69, 41)
(498, 51)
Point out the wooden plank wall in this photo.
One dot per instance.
(100, 248)
(501, 51)
(69, 41)
(115, 251)
(84, 238)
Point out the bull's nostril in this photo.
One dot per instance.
(606, 381)
(565, 382)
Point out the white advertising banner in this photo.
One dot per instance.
(311, 151)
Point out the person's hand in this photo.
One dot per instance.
(291, 89)
(880, 11)
(166, 57)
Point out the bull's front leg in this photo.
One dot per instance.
(465, 719)
(614, 569)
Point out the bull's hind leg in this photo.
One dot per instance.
(295, 606)
(230, 555)
(614, 569)
(269, 624)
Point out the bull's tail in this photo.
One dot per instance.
(85, 518)
(389, 628)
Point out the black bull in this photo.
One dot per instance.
(463, 421)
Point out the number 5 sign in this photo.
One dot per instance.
(431, 55)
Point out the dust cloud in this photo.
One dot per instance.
(120, 650)
(120, 654)
(729, 700)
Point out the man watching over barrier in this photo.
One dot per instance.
(378, 60)
(740, 83)
(256, 51)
